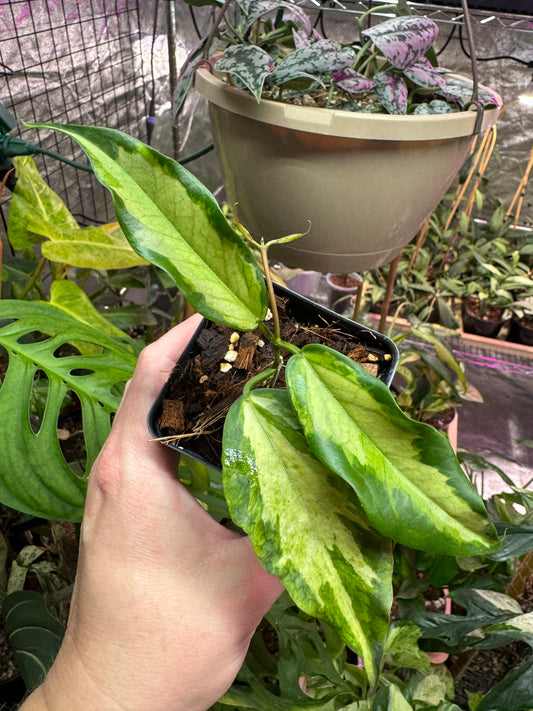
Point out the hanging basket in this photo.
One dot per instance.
(366, 182)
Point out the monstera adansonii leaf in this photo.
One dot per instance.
(404, 472)
(306, 524)
(174, 222)
(34, 475)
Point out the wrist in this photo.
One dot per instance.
(68, 687)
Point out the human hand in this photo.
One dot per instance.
(165, 600)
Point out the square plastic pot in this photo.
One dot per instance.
(306, 312)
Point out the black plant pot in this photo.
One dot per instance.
(520, 332)
(487, 327)
(383, 352)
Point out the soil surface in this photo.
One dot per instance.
(478, 309)
(202, 389)
(346, 281)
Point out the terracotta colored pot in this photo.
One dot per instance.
(342, 288)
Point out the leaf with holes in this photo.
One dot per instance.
(404, 472)
(41, 482)
(403, 40)
(306, 524)
(174, 222)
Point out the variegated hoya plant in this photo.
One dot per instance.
(272, 46)
(326, 475)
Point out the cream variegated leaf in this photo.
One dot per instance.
(405, 472)
(305, 523)
(173, 221)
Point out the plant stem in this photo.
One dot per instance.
(361, 53)
(366, 14)
(33, 278)
(214, 29)
(2, 186)
(358, 300)
(391, 278)
(259, 378)
(330, 95)
(263, 249)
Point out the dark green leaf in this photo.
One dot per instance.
(33, 634)
(514, 693)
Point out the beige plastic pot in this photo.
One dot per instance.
(366, 182)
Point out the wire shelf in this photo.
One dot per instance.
(442, 14)
(73, 62)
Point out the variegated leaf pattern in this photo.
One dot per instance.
(353, 82)
(250, 64)
(252, 10)
(174, 222)
(423, 74)
(194, 60)
(320, 59)
(436, 106)
(403, 40)
(300, 39)
(306, 524)
(405, 472)
(392, 92)
(460, 90)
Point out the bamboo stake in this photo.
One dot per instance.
(520, 192)
(419, 244)
(479, 166)
(521, 578)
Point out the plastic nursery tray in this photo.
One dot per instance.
(306, 312)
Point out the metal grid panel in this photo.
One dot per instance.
(74, 61)
(441, 14)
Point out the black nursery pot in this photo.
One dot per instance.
(382, 351)
(487, 327)
(520, 332)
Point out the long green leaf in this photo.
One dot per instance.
(174, 222)
(305, 523)
(34, 476)
(33, 634)
(404, 472)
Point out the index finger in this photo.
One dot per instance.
(154, 366)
